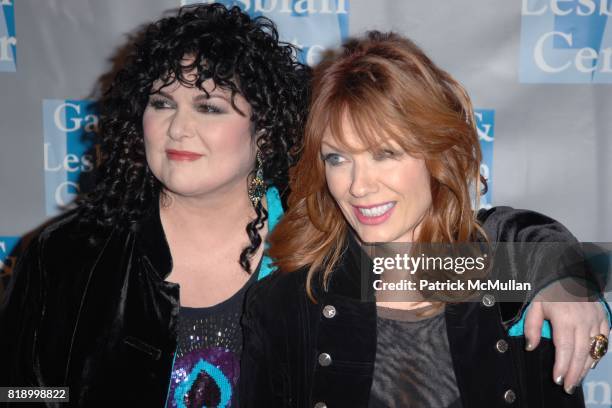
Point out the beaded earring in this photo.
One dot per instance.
(257, 184)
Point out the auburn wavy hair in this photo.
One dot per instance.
(387, 88)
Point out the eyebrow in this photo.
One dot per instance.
(334, 147)
(199, 97)
(211, 96)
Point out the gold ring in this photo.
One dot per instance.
(599, 346)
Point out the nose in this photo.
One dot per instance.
(181, 125)
(364, 180)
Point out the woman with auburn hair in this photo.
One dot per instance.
(391, 154)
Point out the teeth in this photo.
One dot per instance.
(376, 211)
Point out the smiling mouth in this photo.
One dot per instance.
(376, 214)
(376, 211)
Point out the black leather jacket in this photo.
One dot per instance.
(99, 319)
(285, 334)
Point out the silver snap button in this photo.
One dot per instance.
(509, 396)
(501, 346)
(488, 300)
(325, 360)
(329, 311)
(320, 405)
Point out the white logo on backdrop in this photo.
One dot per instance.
(68, 149)
(566, 41)
(311, 25)
(8, 40)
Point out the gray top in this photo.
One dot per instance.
(413, 366)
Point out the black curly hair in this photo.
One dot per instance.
(240, 54)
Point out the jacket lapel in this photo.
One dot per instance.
(483, 372)
(346, 337)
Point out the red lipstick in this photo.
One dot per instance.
(182, 155)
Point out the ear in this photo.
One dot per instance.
(259, 133)
(256, 136)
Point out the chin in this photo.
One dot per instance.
(183, 191)
(375, 236)
(189, 186)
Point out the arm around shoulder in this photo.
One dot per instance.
(536, 249)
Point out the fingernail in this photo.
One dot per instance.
(594, 364)
(529, 346)
(559, 380)
(571, 390)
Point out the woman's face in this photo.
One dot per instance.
(198, 145)
(383, 195)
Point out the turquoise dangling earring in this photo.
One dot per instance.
(257, 184)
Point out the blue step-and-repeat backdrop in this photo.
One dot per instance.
(538, 71)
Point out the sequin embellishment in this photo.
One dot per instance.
(204, 378)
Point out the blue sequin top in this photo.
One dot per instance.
(207, 360)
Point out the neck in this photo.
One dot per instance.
(218, 211)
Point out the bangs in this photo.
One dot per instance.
(375, 124)
(192, 71)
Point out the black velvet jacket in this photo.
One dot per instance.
(98, 319)
(285, 334)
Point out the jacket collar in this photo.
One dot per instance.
(151, 239)
(353, 275)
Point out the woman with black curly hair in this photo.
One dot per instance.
(199, 130)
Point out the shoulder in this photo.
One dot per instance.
(64, 240)
(277, 294)
(62, 231)
(61, 227)
(278, 287)
(507, 224)
(54, 249)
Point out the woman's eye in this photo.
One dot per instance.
(158, 103)
(209, 108)
(333, 159)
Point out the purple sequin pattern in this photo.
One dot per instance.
(207, 361)
(199, 383)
